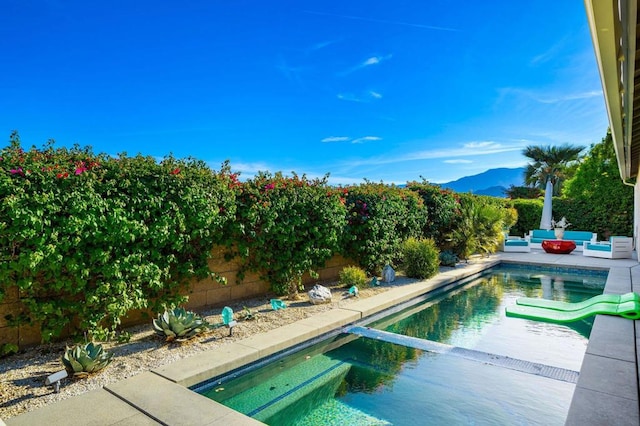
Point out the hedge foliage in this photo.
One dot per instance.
(284, 227)
(87, 237)
(379, 218)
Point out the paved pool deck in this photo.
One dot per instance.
(606, 392)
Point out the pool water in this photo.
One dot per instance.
(454, 359)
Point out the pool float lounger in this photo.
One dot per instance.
(629, 310)
(566, 306)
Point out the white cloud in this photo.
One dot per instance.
(374, 60)
(321, 45)
(550, 53)
(336, 139)
(366, 139)
(350, 97)
(549, 97)
(250, 168)
(365, 97)
(460, 161)
(468, 149)
(481, 145)
(371, 61)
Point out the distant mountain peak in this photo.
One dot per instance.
(493, 182)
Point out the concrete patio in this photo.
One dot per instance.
(606, 392)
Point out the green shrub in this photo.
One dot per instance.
(379, 218)
(420, 258)
(7, 349)
(285, 226)
(353, 276)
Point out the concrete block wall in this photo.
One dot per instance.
(202, 294)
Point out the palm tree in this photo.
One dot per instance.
(550, 162)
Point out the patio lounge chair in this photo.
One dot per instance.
(516, 244)
(615, 248)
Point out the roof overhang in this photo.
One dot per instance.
(614, 33)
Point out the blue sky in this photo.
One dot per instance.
(383, 90)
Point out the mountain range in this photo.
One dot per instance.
(493, 182)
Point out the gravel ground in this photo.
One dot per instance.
(22, 375)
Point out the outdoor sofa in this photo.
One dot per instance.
(616, 248)
(537, 236)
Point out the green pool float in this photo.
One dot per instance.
(566, 306)
(629, 310)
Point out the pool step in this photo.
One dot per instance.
(537, 369)
(335, 412)
(266, 399)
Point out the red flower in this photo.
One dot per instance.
(62, 175)
(80, 167)
(175, 171)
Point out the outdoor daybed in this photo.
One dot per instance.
(537, 236)
(615, 248)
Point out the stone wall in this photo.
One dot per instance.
(202, 294)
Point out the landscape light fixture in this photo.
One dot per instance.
(54, 379)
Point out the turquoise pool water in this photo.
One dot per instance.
(454, 359)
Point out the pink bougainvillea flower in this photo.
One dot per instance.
(17, 171)
(270, 186)
(175, 171)
(79, 170)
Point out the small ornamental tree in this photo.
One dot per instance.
(379, 218)
(87, 238)
(285, 226)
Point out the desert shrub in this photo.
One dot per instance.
(448, 258)
(87, 238)
(82, 360)
(284, 227)
(478, 228)
(353, 276)
(420, 258)
(379, 218)
(179, 324)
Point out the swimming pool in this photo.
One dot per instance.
(453, 359)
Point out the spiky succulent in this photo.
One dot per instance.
(179, 324)
(82, 360)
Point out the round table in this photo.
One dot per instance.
(558, 246)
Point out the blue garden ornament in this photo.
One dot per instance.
(353, 291)
(227, 315)
(277, 304)
(374, 282)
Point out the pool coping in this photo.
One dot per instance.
(160, 396)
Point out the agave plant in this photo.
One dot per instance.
(179, 324)
(82, 360)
